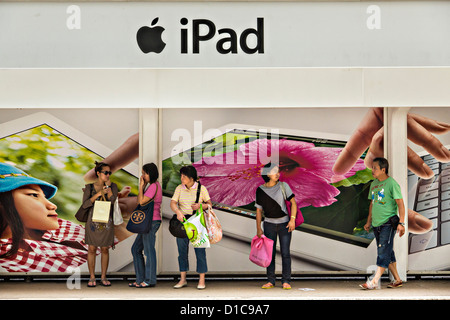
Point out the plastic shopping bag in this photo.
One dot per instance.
(213, 226)
(261, 251)
(196, 230)
(118, 219)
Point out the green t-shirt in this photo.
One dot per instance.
(383, 195)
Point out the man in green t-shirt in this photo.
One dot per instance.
(386, 198)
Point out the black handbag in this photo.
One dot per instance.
(142, 217)
(176, 228)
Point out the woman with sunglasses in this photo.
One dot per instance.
(99, 234)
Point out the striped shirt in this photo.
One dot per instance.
(186, 197)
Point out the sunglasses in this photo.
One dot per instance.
(106, 172)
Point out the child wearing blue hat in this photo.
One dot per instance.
(32, 237)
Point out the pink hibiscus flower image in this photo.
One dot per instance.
(232, 178)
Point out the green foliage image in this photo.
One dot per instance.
(47, 154)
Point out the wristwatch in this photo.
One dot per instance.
(401, 223)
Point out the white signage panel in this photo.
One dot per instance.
(224, 35)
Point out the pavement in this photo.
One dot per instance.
(433, 288)
(224, 298)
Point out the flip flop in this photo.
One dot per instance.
(91, 283)
(133, 285)
(286, 286)
(105, 283)
(144, 285)
(267, 286)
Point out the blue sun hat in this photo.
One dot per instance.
(12, 178)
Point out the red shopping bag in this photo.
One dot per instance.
(299, 217)
(261, 251)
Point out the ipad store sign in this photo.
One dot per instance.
(224, 34)
(195, 34)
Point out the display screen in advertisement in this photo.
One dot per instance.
(229, 166)
(430, 199)
(53, 157)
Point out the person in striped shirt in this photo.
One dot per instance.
(183, 204)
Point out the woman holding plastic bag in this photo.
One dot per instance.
(270, 201)
(184, 205)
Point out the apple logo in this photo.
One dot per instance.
(150, 39)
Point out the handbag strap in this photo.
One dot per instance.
(156, 191)
(198, 194)
(93, 189)
(282, 190)
(154, 196)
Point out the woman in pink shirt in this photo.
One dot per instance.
(149, 188)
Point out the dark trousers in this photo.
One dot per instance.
(271, 230)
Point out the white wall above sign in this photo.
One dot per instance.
(224, 35)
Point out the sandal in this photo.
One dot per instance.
(91, 283)
(133, 285)
(286, 286)
(369, 285)
(144, 285)
(105, 283)
(268, 285)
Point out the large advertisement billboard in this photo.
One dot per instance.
(59, 147)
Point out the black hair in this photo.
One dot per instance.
(10, 217)
(99, 167)
(383, 163)
(152, 170)
(266, 170)
(189, 171)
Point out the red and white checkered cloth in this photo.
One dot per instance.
(56, 252)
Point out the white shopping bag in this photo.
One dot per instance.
(196, 230)
(101, 211)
